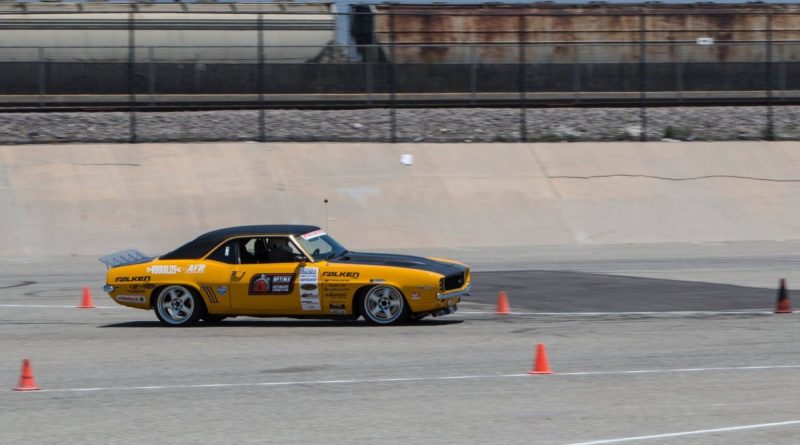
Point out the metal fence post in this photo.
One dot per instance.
(523, 125)
(151, 74)
(782, 72)
(369, 66)
(679, 71)
(262, 114)
(42, 77)
(473, 75)
(392, 86)
(642, 78)
(770, 130)
(576, 72)
(132, 73)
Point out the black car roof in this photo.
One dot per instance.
(200, 246)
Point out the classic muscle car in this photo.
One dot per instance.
(283, 271)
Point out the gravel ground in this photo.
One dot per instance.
(417, 125)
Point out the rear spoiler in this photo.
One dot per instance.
(124, 257)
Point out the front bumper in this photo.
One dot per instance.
(455, 293)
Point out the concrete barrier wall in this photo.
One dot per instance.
(95, 199)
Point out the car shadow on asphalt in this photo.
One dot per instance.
(567, 291)
(282, 324)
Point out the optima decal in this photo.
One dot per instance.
(271, 284)
(143, 278)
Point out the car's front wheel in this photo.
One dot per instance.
(384, 305)
(178, 306)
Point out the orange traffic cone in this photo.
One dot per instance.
(502, 304)
(783, 305)
(86, 301)
(540, 365)
(26, 381)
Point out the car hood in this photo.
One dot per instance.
(405, 261)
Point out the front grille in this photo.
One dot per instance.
(455, 281)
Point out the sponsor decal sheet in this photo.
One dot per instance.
(309, 289)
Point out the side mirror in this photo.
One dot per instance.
(300, 258)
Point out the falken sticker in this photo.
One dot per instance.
(314, 234)
(337, 309)
(341, 277)
(143, 278)
(271, 284)
(130, 298)
(164, 269)
(196, 268)
(309, 298)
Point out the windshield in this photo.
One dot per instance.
(320, 245)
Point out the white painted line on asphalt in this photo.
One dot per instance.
(412, 379)
(596, 314)
(39, 306)
(690, 433)
(663, 371)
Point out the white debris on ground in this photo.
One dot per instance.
(413, 125)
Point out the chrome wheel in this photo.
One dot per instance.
(384, 305)
(177, 306)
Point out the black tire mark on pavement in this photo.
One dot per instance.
(20, 284)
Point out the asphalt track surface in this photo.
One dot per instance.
(636, 360)
(548, 291)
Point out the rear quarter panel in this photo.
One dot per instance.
(136, 285)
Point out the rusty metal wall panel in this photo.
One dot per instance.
(606, 33)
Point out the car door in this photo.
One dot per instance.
(269, 281)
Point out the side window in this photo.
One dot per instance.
(253, 250)
(281, 250)
(260, 250)
(225, 253)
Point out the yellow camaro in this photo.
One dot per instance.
(283, 271)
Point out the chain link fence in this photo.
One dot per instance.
(409, 82)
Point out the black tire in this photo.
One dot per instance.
(178, 306)
(384, 305)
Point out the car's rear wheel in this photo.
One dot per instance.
(384, 305)
(178, 306)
